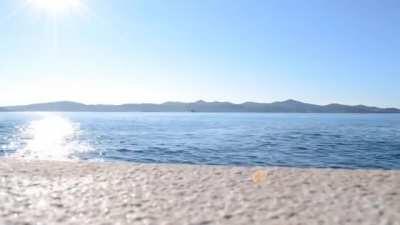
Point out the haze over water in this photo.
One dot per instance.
(294, 140)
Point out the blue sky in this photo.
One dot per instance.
(120, 51)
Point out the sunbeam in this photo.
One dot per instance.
(55, 7)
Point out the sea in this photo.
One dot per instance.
(350, 141)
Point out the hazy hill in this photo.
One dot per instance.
(289, 106)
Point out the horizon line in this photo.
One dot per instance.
(198, 101)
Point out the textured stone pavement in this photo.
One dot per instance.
(40, 192)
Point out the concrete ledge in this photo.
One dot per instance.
(46, 192)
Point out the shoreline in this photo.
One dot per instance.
(49, 192)
(212, 112)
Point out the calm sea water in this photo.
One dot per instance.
(295, 140)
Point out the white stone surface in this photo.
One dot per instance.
(46, 192)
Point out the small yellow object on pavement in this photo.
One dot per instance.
(259, 176)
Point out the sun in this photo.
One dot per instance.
(55, 6)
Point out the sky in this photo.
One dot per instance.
(120, 51)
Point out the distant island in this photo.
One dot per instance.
(288, 106)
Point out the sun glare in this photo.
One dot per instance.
(55, 6)
(51, 138)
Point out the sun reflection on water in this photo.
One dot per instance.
(52, 138)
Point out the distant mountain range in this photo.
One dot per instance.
(288, 106)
